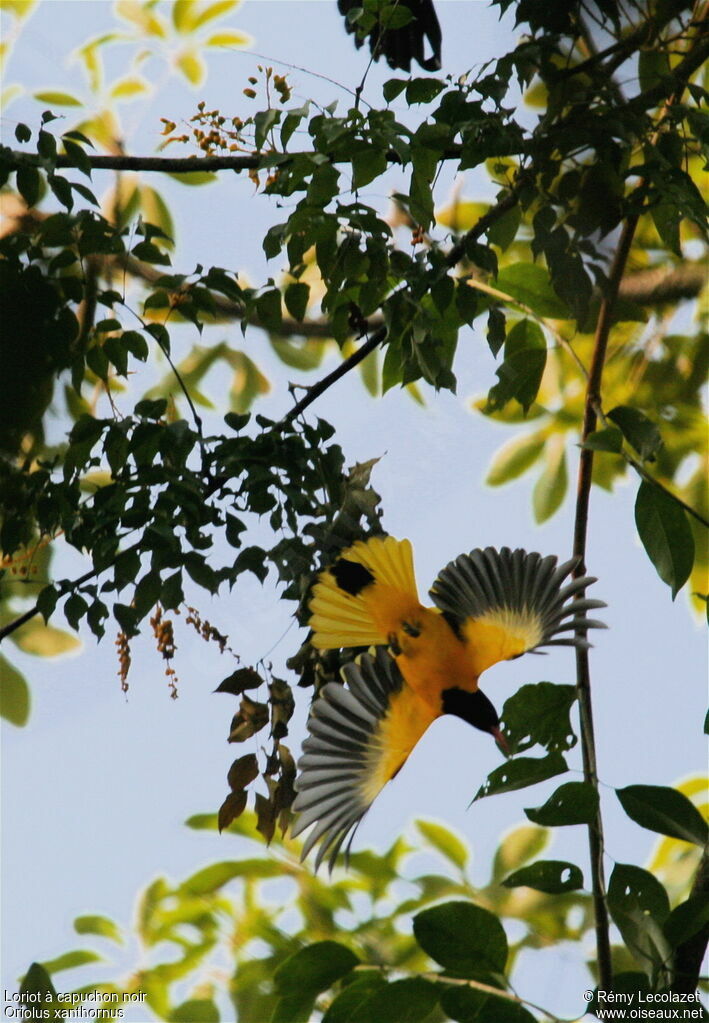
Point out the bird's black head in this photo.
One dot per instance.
(476, 709)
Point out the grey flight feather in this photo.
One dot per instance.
(489, 580)
(335, 762)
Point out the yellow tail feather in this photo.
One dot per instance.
(363, 611)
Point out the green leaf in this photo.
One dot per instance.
(301, 978)
(521, 772)
(520, 376)
(393, 88)
(44, 640)
(70, 960)
(639, 906)
(467, 1005)
(665, 810)
(403, 1001)
(268, 307)
(195, 1010)
(530, 284)
(518, 847)
(367, 165)
(638, 430)
(37, 982)
(666, 535)
(448, 844)
(14, 694)
(608, 439)
(514, 458)
(463, 938)
(539, 713)
(504, 230)
(575, 802)
(686, 920)
(296, 299)
(550, 489)
(551, 876)
(355, 996)
(100, 925)
(210, 879)
(28, 183)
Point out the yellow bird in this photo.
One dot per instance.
(490, 606)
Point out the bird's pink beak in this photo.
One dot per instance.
(501, 741)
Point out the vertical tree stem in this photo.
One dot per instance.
(583, 674)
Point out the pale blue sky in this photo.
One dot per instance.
(95, 789)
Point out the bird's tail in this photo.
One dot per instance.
(356, 599)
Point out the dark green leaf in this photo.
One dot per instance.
(239, 681)
(463, 938)
(404, 1001)
(268, 307)
(301, 977)
(664, 810)
(521, 772)
(539, 713)
(638, 430)
(575, 802)
(345, 1007)
(529, 283)
(393, 88)
(550, 876)
(467, 1005)
(687, 919)
(423, 90)
(666, 535)
(639, 907)
(296, 299)
(367, 165)
(28, 184)
(37, 982)
(608, 439)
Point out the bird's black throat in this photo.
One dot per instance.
(475, 708)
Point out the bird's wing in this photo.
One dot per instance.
(504, 603)
(360, 735)
(364, 594)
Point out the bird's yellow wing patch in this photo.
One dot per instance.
(499, 636)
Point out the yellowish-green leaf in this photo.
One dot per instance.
(194, 178)
(537, 96)
(445, 841)
(141, 15)
(103, 129)
(230, 37)
(183, 15)
(514, 458)
(57, 99)
(20, 8)
(130, 87)
(192, 67)
(247, 384)
(9, 94)
(517, 848)
(550, 488)
(461, 214)
(100, 925)
(14, 694)
(215, 10)
(156, 211)
(44, 640)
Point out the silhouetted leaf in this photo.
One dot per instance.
(665, 810)
(550, 876)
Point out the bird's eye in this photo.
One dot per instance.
(411, 628)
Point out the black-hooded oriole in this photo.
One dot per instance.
(490, 606)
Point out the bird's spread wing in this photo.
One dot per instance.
(364, 594)
(360, 734)
(504, 603)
